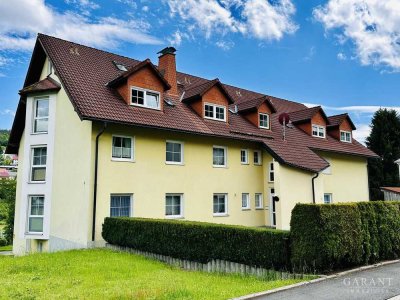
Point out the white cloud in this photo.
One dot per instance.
(262, 19)
(225, 45)
(7, 112)
(145, 8)
(362, 132)
(130, 3)
(361, 109)
(341, 56)
(372, 25)
(21, 21)
(310, 54)
(176, 38)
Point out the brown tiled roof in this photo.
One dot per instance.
(254, 104)
(47, 84)
(306, 114)
(196, 91)
(336, 120)
(395, 190)
(84, 73)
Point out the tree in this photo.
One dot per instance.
(7, 195)
(384, 140)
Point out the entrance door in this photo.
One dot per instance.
(272, 207)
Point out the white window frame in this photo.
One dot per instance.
(330, 198)
(319, 129)
(130, 203)
(259, 120)
(29, 216)
(259, 162)
(37, 166)
(214, 106)
(35, 118)
(346, 133)
(182, 153)
(271, 171)
(225, 156)
(247, 206)
(181, 215)
(224, 214)
(145, 97)
(261, 201)
(132, 138)
(246, 156)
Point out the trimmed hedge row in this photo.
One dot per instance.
(202, 242)
(328, 237)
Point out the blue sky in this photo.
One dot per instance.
(342, 54)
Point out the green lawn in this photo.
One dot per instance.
(6, 248)
(104, 274)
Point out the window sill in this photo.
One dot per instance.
(174, 217)
(260, 208)
(122, 160)
(221, 215)
(245, 164)
(36, 182)
(174, 163)
(259, 165)
(246, 209)
(31, 235)
(146, 107)
(220, 167)
(39, 133)
(212, 119)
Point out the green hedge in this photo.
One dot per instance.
(328, 237)
(201, 242)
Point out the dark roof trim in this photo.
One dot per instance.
(306, 118)
(146, 63)
(257, 103)
(345, 116)
(201, 89)
(45, 85)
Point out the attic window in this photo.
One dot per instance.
(318, 131)
(264, 121)
(120, 66)
(145, 98)
(345, 136)
(214, 112)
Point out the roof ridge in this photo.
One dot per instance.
(300, 110)
(343, 114)
(91, 47)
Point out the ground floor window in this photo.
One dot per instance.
(258, 199)
(173, 206)
(245, 201)
(220, 204)
(327, 198)
(36, 214)
(120, 206)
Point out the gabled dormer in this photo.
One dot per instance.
(312, 121)
(341, 128)
(141, 85)
(209, 100)
(257, 111)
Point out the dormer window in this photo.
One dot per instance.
(214, 112)
(145, 98)
(345, 136)
(264, 120)
(318, 131)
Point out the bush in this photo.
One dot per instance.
(3, 242)
(328, 237)
(201, 242)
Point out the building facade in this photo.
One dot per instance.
(101, 135)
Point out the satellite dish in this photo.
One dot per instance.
(284, 118)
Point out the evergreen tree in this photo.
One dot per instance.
(384, 140)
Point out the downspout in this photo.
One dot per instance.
(96, 167)
(313, 186)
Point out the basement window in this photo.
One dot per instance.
(345, 136)
(145, 98)
(318, 131)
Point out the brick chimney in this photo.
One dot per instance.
(167, 67)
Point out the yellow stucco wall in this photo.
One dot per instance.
(149, 178)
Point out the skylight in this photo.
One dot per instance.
(120, 66)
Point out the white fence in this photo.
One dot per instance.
(219, 266)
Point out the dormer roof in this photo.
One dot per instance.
(254, 104)
(197, 91)
(307, 114)
(337, 120)
(45, 85)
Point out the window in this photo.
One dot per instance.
(345, 136)
(318, 131)
(327, 198)
(257, 157)
(120, 206)
(214, 112)
(122, 148)
(220, 204)
(38, 170)
(264, 121)
(258, 200)
(245, 201)
(271, 173)
(219, 156)
(173, 206)
(174, 152)
(145, 98)
(41, 115)
(35, 214)
(244, 156)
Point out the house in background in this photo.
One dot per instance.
(392, 193)
(101, 135)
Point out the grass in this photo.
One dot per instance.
(6, 248)
(105, 274)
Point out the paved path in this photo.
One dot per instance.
(377, 283)
(6, 253)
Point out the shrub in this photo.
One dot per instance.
(328, 237)
(3, 242)
(201, 242)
